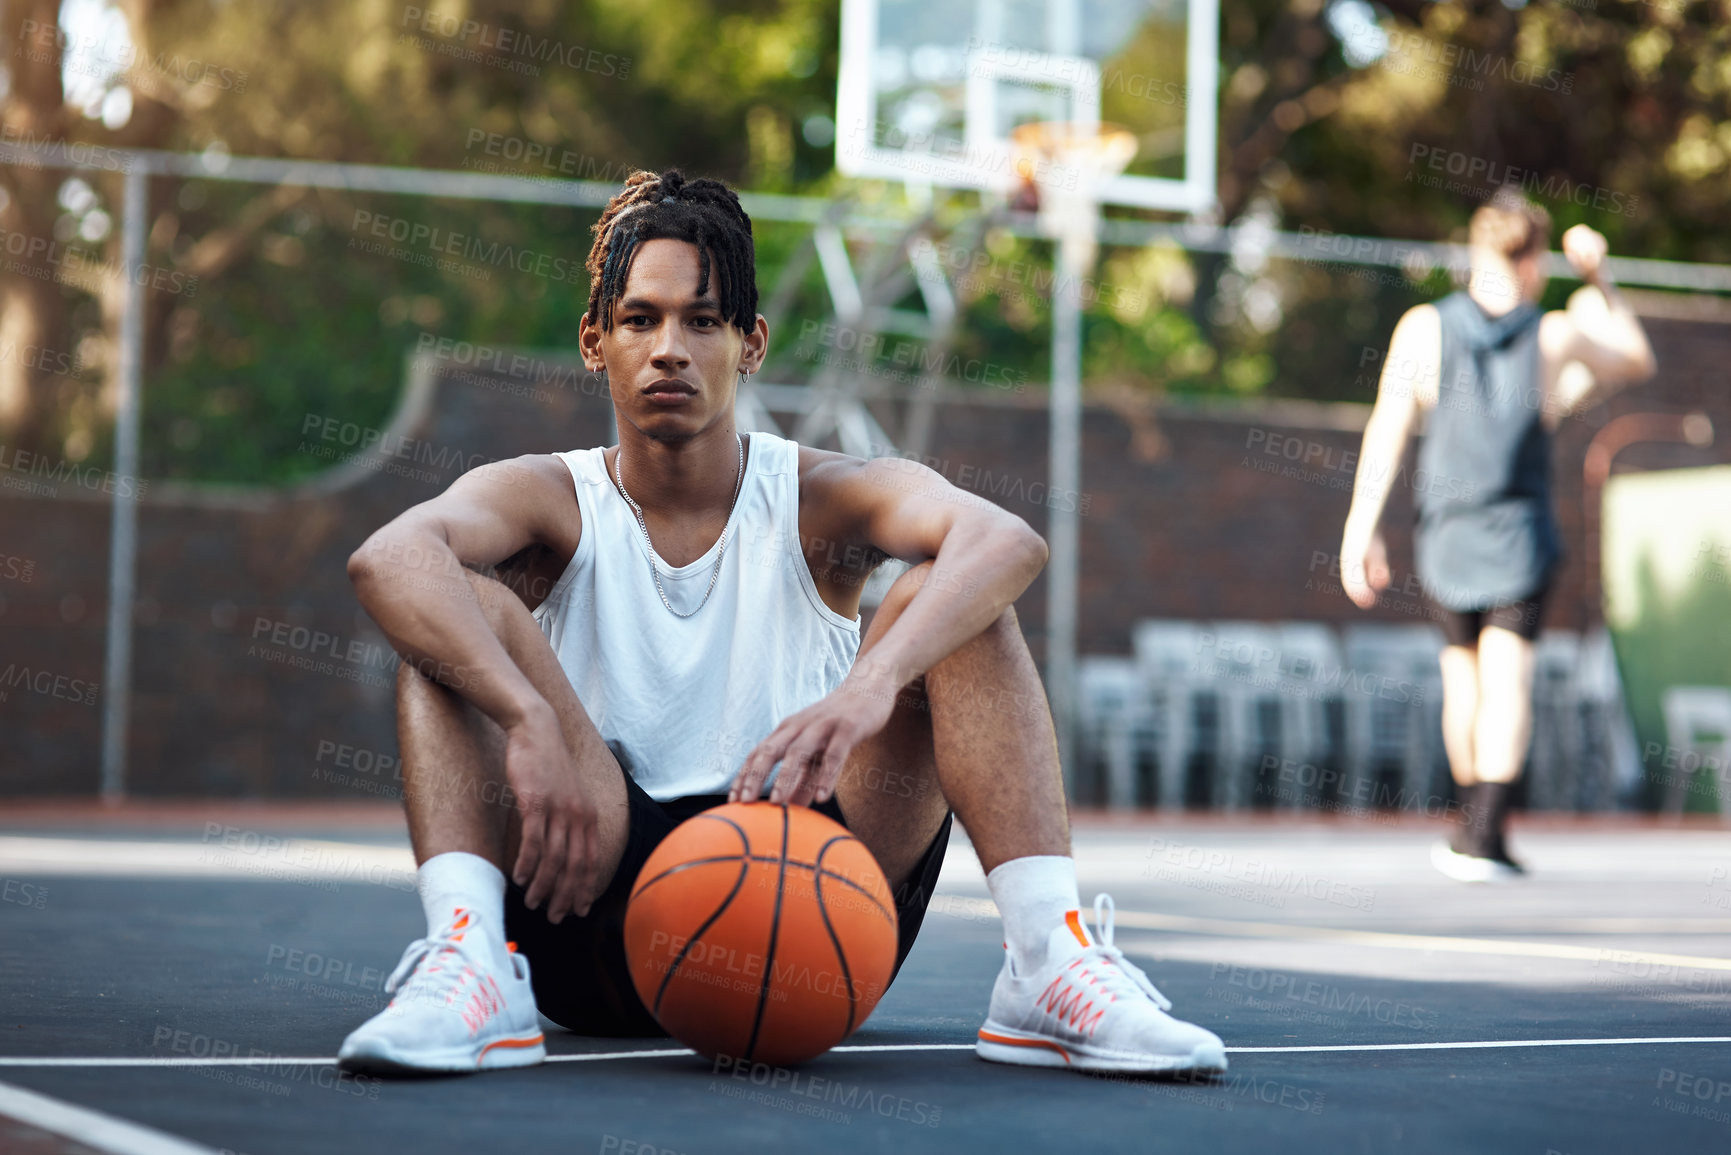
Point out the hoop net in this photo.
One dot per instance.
(1063, 163)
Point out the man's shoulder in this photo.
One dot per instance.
(827, 476)
(510, 478)
(1429, 313)
(1419, 331)
(542, 468)
(824, 460)
(836, 491)
(539, 486)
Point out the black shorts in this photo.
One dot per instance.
(578, 968)
(1461, 628)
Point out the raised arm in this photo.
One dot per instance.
(1410, 374)
(1597, 331)
(983, 557)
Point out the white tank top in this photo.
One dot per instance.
(682, 701)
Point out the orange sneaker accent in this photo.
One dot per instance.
(994, 1037)
(1074, 921)
(512, 947)
(534, 1042)
(1064, 1002)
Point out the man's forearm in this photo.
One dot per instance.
(1368, 501)
(1378, 460)
(418, 592)
(979, 572)
(1617, 305)
(1625, 332)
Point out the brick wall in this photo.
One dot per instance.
(1179, 521)
(1200, 511)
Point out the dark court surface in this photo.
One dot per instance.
(171, 945)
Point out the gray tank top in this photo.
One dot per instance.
(1486, 535)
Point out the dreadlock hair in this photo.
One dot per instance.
(704, 212)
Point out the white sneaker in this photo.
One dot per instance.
(1090, 1009)
(1468, 868)
(461, 1008)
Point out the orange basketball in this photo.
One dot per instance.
(764, 933)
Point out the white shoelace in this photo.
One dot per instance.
(1123, 976)
(438, 984)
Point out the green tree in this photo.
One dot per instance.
(1614, 112)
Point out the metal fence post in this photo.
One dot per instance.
(123, 529)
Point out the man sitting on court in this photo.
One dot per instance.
(679, 602)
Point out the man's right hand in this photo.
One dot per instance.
(558, 856)
(1364, 571)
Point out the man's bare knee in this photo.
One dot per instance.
(414, 681)
(995, 644)
(1006, 624)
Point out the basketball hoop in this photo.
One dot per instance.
(1059, 166)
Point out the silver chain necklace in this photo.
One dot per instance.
(644, 526)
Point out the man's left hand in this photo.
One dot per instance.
(1585, 249)
(813, 745)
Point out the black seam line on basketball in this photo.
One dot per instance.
(738, 884)
(762, 858)
(640, 886)
(767, 858)
(846, 881)
(746, 858)
(769, 956)
(840, 955)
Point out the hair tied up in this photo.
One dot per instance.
(703, 212)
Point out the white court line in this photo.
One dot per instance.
(298, 1061)
(163, 1061)
(229, 853)
(965, 906)
(91, 1128)
(1478, 1046)
(686, 1051)
(1454, 944)
(670, 1052)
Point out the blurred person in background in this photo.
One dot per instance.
(1492, 375)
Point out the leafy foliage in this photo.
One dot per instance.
(1615, 113)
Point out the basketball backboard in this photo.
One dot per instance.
(930, 90)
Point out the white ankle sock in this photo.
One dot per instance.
(459, 879)
(1033, 894)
